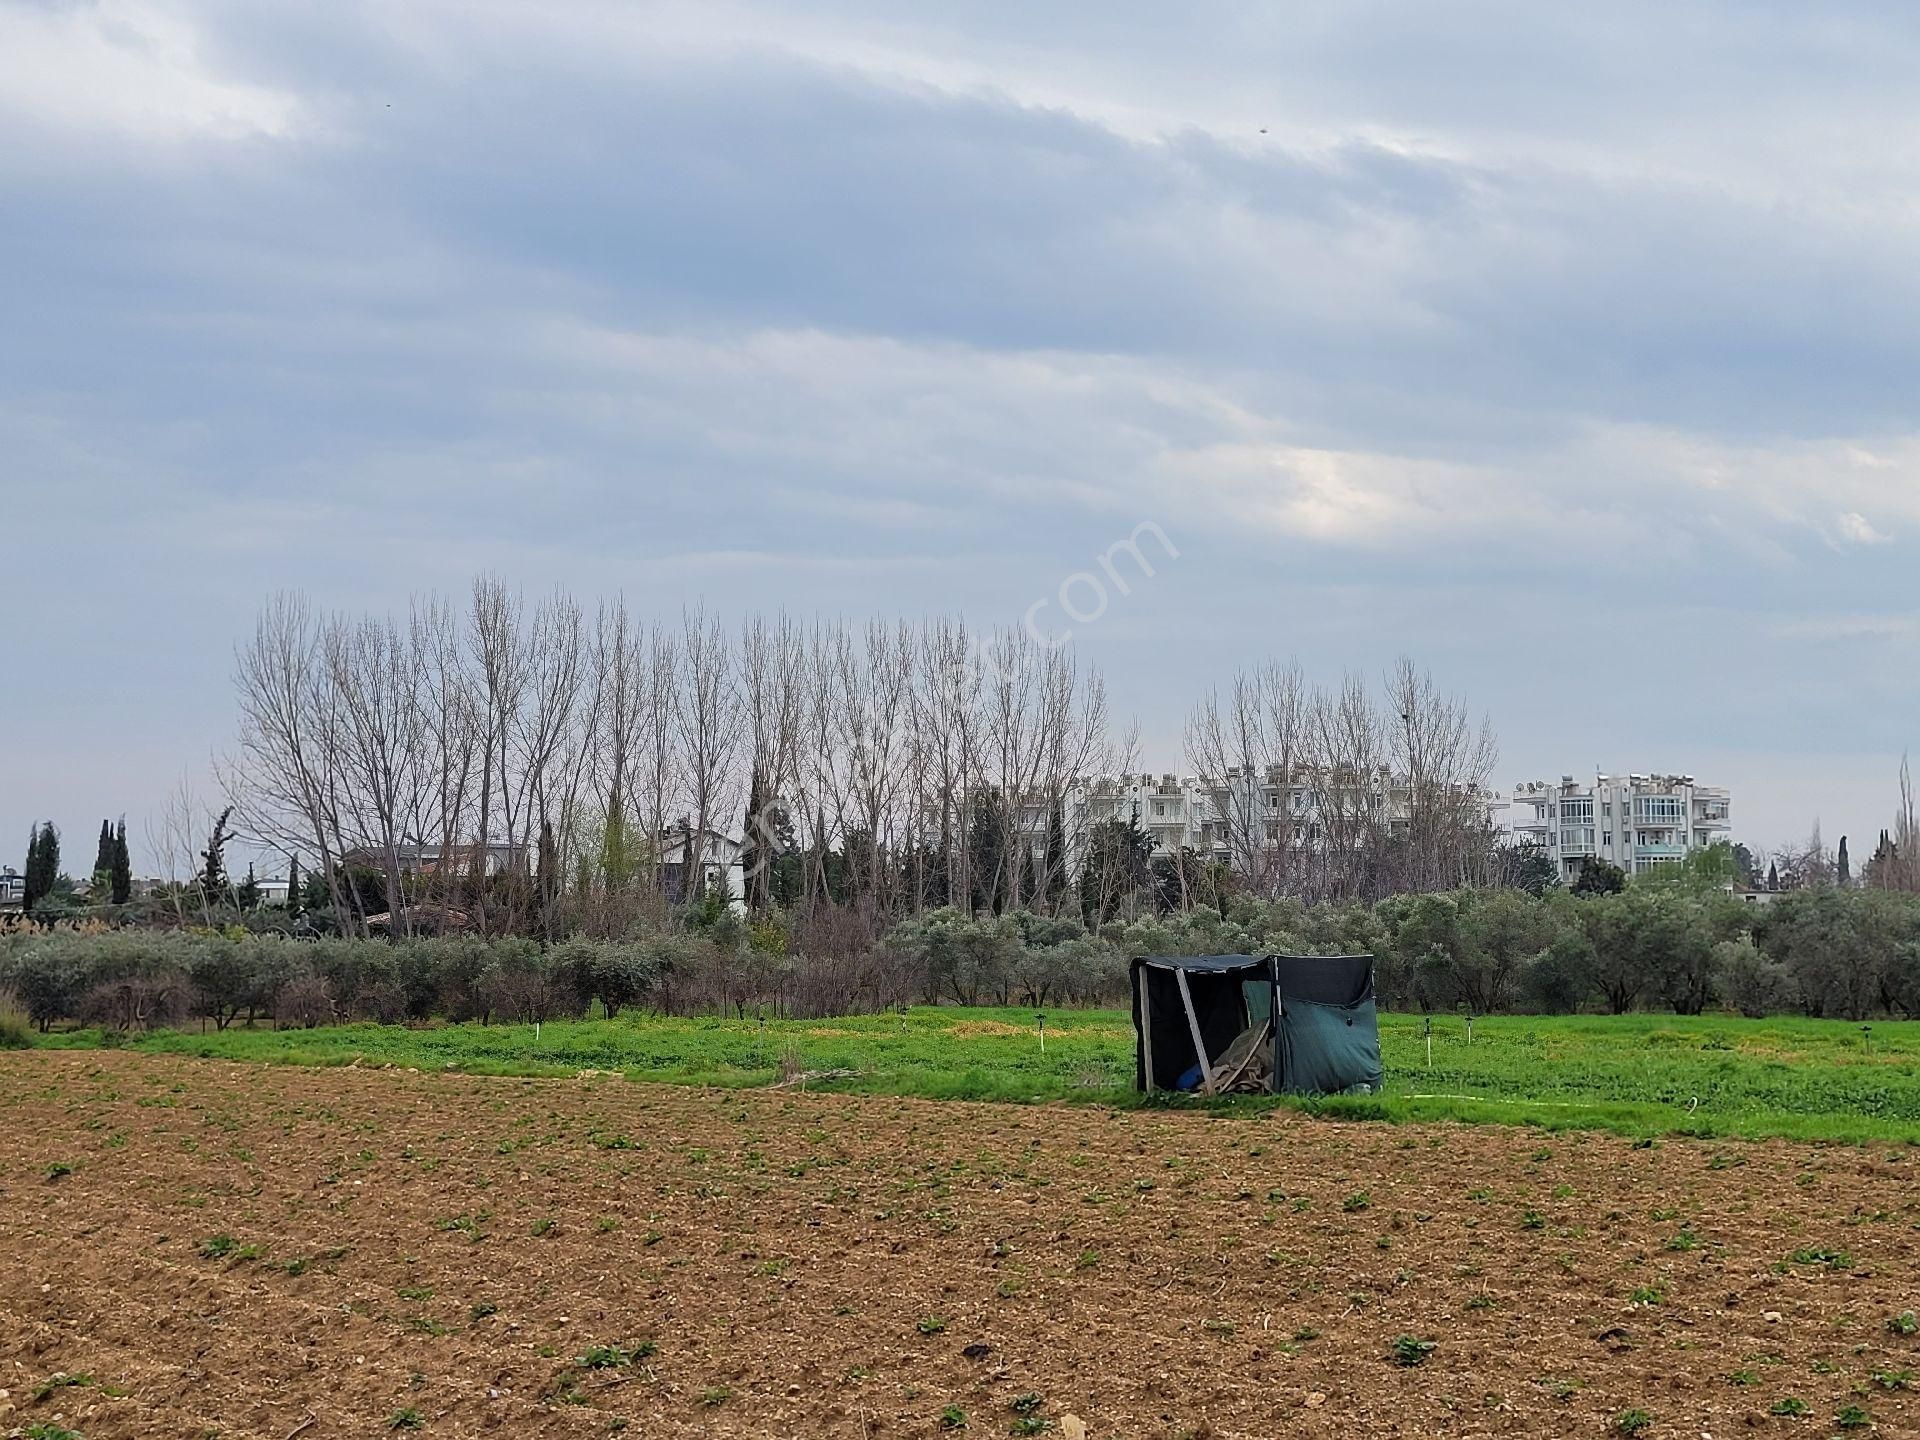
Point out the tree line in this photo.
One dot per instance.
(559, 766)
(1680, 942)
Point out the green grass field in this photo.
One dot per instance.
(1639, 1075)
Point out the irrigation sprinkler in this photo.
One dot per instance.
(1429, 1042)
(1866, 1035)
(1043, 1032)
(1469, 1029)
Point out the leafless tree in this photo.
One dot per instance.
(1896, 863)
(872, 683)
(443, 750)
(1806, 866)
(946, 710)
(378, 745)
(1445, 757)
(659, 760)
(528, 683)
(1074, 743)
(1251, 745)
(771, 664)
(450, 726)
(1341, 818)
(285, 781)
(602, 838)
(707, 724)
(172, 836)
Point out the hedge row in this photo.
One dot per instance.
(1837, 952)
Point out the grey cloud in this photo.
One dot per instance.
(1445, 362)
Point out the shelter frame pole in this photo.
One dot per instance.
(1193, 1024)
(1277, 1010)
(1146, 1024)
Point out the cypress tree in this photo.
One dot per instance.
(546, 876)
(32, 872)
(43, 863)
(103, 854)
(248, 895)
(1846, 865)
(122, 867)
(1056, 874)
(753, 850)
(294, 896)
(213, 862)
(49, 858)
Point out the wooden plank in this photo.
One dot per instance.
(1193, 1024)
(1146, 1022)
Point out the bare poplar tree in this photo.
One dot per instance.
(1343, 816)
(1445, 759)
(771, 662)
(603, 840)
(946, 707)
(450, 724)
(872, 683)
(285, 781)
(659, 759)
(1248, 748)
(1900, 870)
(707, 722)
(1073, 744)
(378, 745)
(1011, 753)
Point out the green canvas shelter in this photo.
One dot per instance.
(1218, 1024)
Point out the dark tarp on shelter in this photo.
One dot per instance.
(1304, 1024)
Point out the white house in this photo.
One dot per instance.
(720, 856)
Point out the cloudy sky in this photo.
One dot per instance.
(1570, 350)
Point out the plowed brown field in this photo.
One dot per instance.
(271, 1252)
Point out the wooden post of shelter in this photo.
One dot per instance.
(1193, 1024)
(1146, 1030)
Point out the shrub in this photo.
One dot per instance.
(303, 1002)
(138, 1002)
(616, 973)
(1749, 981)
(523, 983)
(47, 978)
(16, 1030)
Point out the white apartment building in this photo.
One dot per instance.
(1176, 813)
(1215, 818)
(1637, 822)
